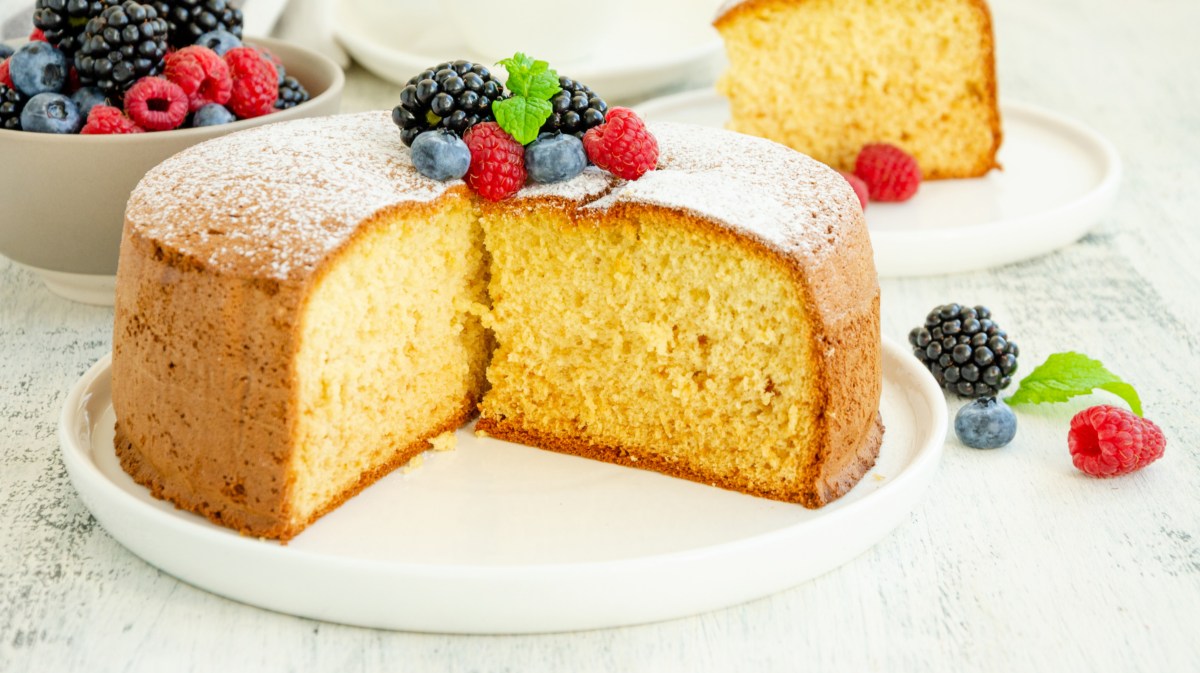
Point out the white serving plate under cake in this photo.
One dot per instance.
(1058, 180)
(496, 537)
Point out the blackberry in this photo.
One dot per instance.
(123, 44)
(63, 21)
(965, 350)
(453, 95)
(12, 102)
(576, 109)
(291, 93)
(189, 19)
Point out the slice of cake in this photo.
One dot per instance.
(294, 319)
(828, 76)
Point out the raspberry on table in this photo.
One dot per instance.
(202, 75)
(497, 168)
(156, 104)
(106, 119)
(859, 187)
(1107, 441)
(622, 145)
(891, 174)
(255, 83)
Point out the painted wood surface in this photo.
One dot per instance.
(1014, 560)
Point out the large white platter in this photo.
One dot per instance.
(500, 538)
(1059, 178)
(398, 39)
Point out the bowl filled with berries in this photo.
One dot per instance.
(106, 89)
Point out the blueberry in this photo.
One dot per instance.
(440, 155)
(5, 51)
(212, 115)
(555, 157)
(219, 41)
(38, 68)
(985, 423)
(87, 98)
(51, 113)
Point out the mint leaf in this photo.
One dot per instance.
(522, 117)
(1066, 375)
(532, 84)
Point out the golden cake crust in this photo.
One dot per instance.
(225, 242)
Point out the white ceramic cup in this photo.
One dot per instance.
(549, 30)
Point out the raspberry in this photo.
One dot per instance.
(106, 119)
(5, 78)
(156, 104)
(622, 145)
(37, 36)
(860, 187)
(1107, 441)
(891, 173)
(497, 161)
(202, 75)
(255, 83)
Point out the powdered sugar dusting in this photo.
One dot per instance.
(276, 200)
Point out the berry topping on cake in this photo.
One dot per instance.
(555, 157)
(11, 104)
(203, 76)
(497, 161)
(622, 145)
(575, 109)
(37, 68)
(1108, 441)
(965, 350)
(441, 155)
(452, 95)
(123, 44)
(106, 119)
(291, 93)
(859, 187)
(255, 83)
(156, 104)
(985, 423)
(51, 113)
(891, 174)
(190, 19)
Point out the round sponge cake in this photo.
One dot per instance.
(299, 312)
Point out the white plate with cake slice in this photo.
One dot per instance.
(1058, 180)
(625, 60)
(494, 537)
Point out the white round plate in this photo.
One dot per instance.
(396, 40)
(501, 538)
(1059, 178)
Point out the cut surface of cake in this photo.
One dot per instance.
(297, 317)
(828, 76)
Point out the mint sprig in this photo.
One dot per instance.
(532, 83)
(1066, 375)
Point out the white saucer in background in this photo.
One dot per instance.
(1059, 179)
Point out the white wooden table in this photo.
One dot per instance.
(1014, 560)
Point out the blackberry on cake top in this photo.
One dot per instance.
(576, 109)
(454, 95)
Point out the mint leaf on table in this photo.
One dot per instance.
(1066, 375)
(532, 83)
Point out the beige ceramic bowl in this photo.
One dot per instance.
(62, 197)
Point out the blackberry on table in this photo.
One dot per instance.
(63, 21)
(453, 95)
(576, 109)
(187, 20)
(965, 350)
(123, 44)
(291, 93)
(12, 102)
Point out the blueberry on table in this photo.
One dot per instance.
(985, 423)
